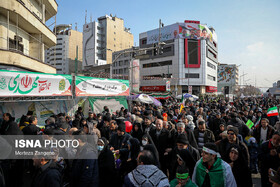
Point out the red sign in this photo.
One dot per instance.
(192, 21)
(211, 89)
(153, 88)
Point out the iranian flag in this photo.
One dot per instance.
(272, 111)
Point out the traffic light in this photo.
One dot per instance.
(155, 50)
(226, 89)
(160, 49)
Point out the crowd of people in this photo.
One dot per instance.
(204, 143)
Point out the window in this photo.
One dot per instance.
(58, 53)
(210, 77)
(59, 44)
(214, 44)
(210, 65)
(158, 76)
(13, 44)
(126, 62)
(98, 28)
(156, 64)
(192, 75)
(58, 59)
(144, 41)
(59, 39)
(192, 52)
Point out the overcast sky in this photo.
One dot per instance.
(247, 29)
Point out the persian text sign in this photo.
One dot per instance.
(89, 86)
(16, 83)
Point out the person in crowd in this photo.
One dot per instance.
(161, 140)
(106, 164)
(80, 112)
(183, 153)
(253, 148)
(240, 169)
(231, 139)
(120, 139)
(137, 131)
(146, 173)
(62, 127)
(182, 130)
(264, 131)
(268, 157)
(148, 124)
(32, 128)
(203, 135)
(183, 178)
(218, 133)
(218, 120)
(236, 122)
(9, 126)
(84, 171)
(211, 170)
(48, 172)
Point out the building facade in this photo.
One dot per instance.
(228, 76)
(188, 57)
(24, 35)
(63, 55)
(103, 37)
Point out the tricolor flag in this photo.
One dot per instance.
(272, 111)
(258, 122)
(249, 124)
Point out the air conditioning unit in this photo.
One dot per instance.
(18, 38)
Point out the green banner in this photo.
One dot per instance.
(250, 124)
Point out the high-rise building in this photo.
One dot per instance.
(103, 37)
(186, 54)
(227, 78)
(24, 35)
(63, 55)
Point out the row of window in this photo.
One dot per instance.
(156, 64)
(120, 71)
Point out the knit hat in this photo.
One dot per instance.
(182, 138)
(234, 129)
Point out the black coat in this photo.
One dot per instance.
(224, 146)
(48, 175)
(119, 142)
(191, 138)
(85, 171)
(161, 141)
(10, 128)
(190, 156)
(106, 163)
(31, 130)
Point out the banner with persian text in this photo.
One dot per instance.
(90, 86)
(20, 84)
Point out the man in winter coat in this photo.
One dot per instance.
(85, 166)
(268, 157)
(264, 131)
(9, 126)
(48, 173)
(146, 174)
(203, 135)
(236, 122)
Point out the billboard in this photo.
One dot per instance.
(88, 44)
(19, 84)
(189, 30)
(89, 86)
(226, 74)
